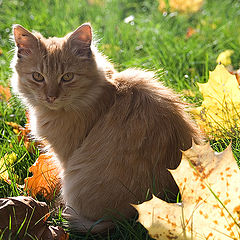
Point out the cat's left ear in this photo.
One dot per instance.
(80, 40)
(25, 40)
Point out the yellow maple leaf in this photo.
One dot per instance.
(184, 6)
(210, 208)
(218, 116)
(225, 57)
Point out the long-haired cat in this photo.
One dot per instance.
(115, 133)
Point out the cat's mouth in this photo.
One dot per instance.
(52, 106)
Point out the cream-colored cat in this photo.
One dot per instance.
(115, 134)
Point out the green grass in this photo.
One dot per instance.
(152, 41)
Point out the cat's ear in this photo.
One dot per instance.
(82, 34)
(80, 40)
(25, 41)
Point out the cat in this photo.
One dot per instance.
(115, 133)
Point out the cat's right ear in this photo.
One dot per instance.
(24, 40)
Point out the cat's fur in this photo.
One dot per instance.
(115, 133)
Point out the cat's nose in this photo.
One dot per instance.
(51, 99)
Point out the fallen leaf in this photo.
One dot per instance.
(237, 75)
(46, 177)
(218, 115)
(25, 218)
(6, 163)
(18, 129)
(190, 31)
(5, 93)
(24, 134)
(184, 6)
(225, 57)
(210, 208)
(55, 233)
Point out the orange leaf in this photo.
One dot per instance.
(46, 177)
(190, 32)
(5, 93)
(19, 129)
(24, 135)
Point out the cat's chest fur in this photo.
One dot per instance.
(64, 131)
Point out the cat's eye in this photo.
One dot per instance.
(67, 77)
(38, 77)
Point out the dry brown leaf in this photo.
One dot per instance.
(55, 233)
(5, 93)
(31, 215)
(210, 208)
(22, 209)
(46, 177)
(184, 6)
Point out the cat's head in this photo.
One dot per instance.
(56, 72)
